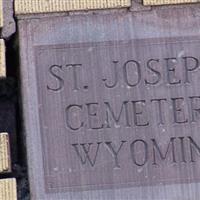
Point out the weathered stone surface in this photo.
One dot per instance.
(167, 2)
(8, 189)
(38, 6)
(1, 14)
(9, 26)
(5, 157)
(2, 59)
(111, 102)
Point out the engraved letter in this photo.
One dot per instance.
(60, 81)
(182, 149)
(160, 110)
(163, 156)
(179, 116)
(192, 67)
(116, 117)
(136, 70)
(135, 152)
(193, 145)
(157, 73)
(139, 118)
(195, 110)
(75, 68)
(114, 152)
(70, 112)
(171, 64)
(115, 81)
(86, 150)
(93, 118)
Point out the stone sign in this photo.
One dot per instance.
(111, 113)
(132, 111)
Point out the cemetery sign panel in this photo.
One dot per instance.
(114, 110)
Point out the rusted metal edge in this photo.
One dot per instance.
(43, 6)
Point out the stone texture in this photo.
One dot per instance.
(9, 26)
(167, 2)
(5, 159)
(2, 59)
(1, 13)
(38, 6)
(8, 189)
(81, 78)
